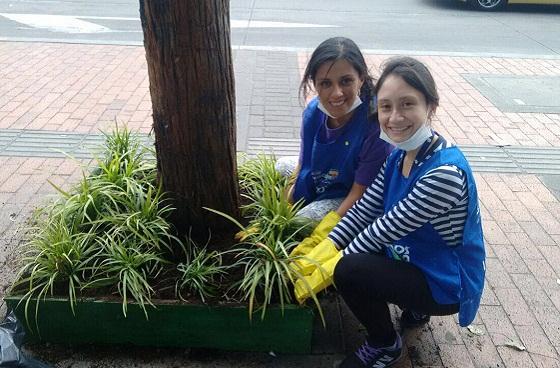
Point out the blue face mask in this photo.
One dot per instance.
(357, 102)
(416, 140)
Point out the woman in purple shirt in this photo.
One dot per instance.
(341, 152)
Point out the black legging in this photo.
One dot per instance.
(367, 282)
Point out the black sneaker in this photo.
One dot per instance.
(412, 319)
(371, 357)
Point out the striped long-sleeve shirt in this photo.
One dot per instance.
(438, 197)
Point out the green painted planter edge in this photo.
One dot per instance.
(171, 324)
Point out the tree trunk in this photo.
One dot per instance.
(192, 88)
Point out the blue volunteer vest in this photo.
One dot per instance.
(454, 274)
(327, 168)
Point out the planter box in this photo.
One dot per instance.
(172, 324)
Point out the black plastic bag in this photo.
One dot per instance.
(11, 338)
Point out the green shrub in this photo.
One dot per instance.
(111, 231)
(200, 274)
(273, 230)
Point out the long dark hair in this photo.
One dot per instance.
(331, 50)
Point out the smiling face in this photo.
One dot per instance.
(337, 84)
(402, 109)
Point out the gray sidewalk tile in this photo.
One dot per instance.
(496, 275)
(515, 359)
(455, 356)
(510, 259)
(549, 319)
(489, 297)
(538, 301)
(537, 233)
(445, 331)
(481, 348)
(534, 339)
(497, 324)
(515, 307)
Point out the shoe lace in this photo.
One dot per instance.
(366, 353)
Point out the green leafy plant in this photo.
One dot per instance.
(55, 257)
(272, 231)
(267, 275)
(129, 267)
(200, 274)
(110, 231)
(268, 208)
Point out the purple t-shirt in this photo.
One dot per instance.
(371, 157)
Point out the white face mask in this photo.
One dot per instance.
(357, 102)
(415, 140)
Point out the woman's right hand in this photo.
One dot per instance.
(319, 234)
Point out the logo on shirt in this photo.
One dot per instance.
(324, 180)
(399, 252)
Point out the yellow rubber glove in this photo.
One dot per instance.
(319, 233)
(305, 265)
(245, 233)
(320, 279)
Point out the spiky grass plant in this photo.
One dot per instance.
(201, 273)
(274, 229)
(268, 208)
(125, 264)
(267, 276)
(110, 230)
(266, 273)
(55, 258)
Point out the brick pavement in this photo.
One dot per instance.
(83, 88)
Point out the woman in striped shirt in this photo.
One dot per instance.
(415, 238)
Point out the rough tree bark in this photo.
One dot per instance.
(192, 88)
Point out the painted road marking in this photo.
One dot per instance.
(266, 24)
(57, 23)
(76, 24)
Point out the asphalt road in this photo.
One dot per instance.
(406, 26)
